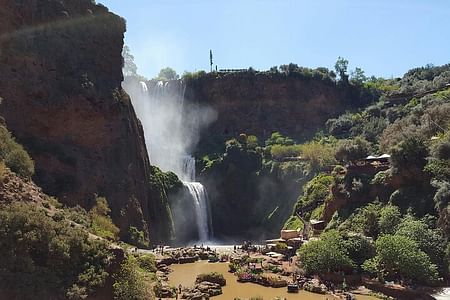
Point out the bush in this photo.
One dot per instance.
(316, 192)
(429, 240)
(147, 262)
(46, 258)
(14, 155)
(325, 255)
(351, 150)
(409, 157)
(293, 223)
(281, 151)
(101, 223)
(389, 220)
(399, 257)
(128, 282)
(212, 277)
(278, 139)
(137, 237)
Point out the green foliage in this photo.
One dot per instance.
(167, 74)
(341, 69)
(293, 223)
(187, 76)
(316, 192)
(213, 277)
(357, 76)
(319, 154)
(278, 139)
(48, 258)
(359, 248)
(252, 142)
(409, 157)
(281, 151)
(399, 257)
(364, 220)
(147, 262)
(389, 219)
(429, 240)
(325, 255)
(381, 177)
(14, 155)
(137, 237)
(351, 150)
(129, 282)
(101, 223)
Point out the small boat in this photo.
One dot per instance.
(292, 288)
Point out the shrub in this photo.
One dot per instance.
(137, 237)
(293, 223)
(281, 151)
(46, 258)
(399, 257)
(351, 150)
(213, 277)
(128, 282)
(429, 240)
(147, 262)
(101, 223)
(318, 154)
(14, 155)
(409, 157)
(278, 139)
(325, 255)
(316, 191)
(390, 218)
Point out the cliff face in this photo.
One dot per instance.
(262, 103)
(60, 84)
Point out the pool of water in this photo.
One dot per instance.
(185, 275)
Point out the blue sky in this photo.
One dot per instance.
(383, 37)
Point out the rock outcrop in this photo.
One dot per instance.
(60, 84)
(262, 103)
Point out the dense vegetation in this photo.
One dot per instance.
(399, 210)
(14, 156)
(61, 253)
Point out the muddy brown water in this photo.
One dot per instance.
(185, 275)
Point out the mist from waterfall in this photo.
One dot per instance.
(171, 129)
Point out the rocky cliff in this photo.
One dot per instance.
(60, 86)
(261, 103)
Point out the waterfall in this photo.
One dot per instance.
(171, 132)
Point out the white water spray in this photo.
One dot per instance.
(171, 131)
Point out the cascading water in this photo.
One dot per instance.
(171, 131)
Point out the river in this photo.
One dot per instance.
(185, 274)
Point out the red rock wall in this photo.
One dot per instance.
(262, 103)
(60, 80)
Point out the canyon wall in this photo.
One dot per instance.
(61, 96)
(261, 103)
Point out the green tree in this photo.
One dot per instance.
(351, 150)
(278, 139)
(325, 255)
(101, 223)
(129, 282)
(429, 240)
(168, 74)
(358, 77)
(409, 157)
(399, 257)
(390, 218)
(341, 69)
